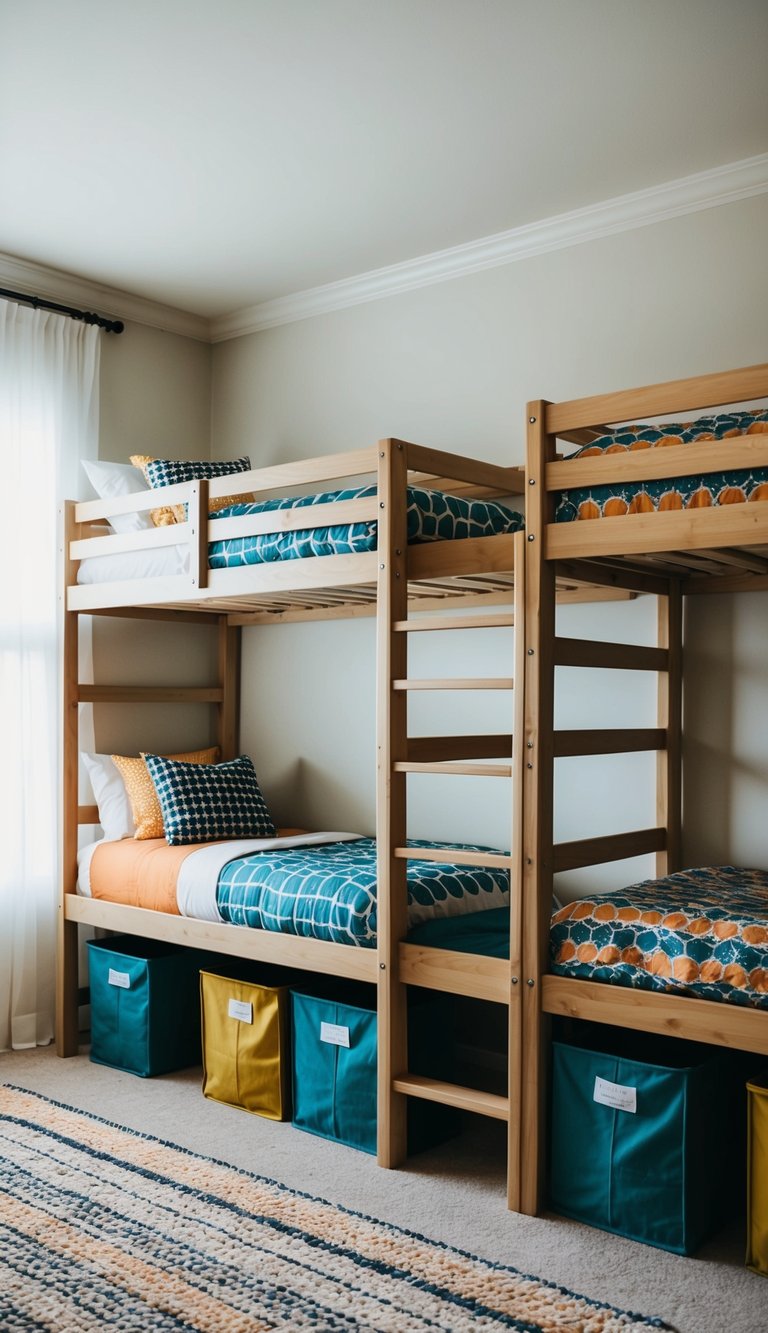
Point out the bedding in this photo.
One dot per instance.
(160, 472)
(432, 516)
(701, 932)
(705, 490)
(319, 886)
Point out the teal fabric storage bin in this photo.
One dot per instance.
(646, 1137)
(334, 1060)
(145, 1005)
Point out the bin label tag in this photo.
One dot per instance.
(618, 1095)
(334, 1034)
(122, 979)
(241, 1010)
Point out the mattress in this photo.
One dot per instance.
(320, 886)
(431, 516)
(739, 486)
(700, 932)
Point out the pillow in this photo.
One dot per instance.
(111, 797)
(168, 471)
(205, 803)
(145, 807)
(111, 479)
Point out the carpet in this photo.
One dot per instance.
(102, 1226)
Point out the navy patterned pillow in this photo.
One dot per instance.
(168, 471)
(205, 802)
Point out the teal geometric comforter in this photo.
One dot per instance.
(700, 932)
(328, 892)
(432, 516)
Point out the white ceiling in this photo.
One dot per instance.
(211, 156)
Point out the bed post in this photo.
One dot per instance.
(228, 719)
(391, 733)
(537, 802)
(515, 1024)
(670, 710)
(67, 1037)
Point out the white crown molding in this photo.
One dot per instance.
(642, 208)
(68, 289)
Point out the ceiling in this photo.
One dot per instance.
(212, 156)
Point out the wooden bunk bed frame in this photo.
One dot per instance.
(396, 583)
(671, 555)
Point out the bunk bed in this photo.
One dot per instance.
(687, 518)
(462, 581)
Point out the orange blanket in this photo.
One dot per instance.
(143, 873)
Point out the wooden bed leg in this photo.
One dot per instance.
(67, 983)
(537, 808)
(670, 715)
(515, 1020)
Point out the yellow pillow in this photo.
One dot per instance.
(145, 807)
(168, 514)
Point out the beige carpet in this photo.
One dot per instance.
(454, 1194)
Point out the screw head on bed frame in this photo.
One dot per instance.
(531, 537)
(530, 982)
(531, 481)
(532, 420)
(514, 980)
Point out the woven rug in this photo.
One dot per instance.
(104, 1227)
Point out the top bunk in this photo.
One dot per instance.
(678, 497)
(293, 546)
(277, 555)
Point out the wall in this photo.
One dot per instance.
(452, 366)
(154, 399)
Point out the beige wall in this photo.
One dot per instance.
(154, 399)
(452, 366)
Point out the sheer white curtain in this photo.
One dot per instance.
(48, 421)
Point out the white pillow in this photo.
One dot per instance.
(115, 814)
(111, 479)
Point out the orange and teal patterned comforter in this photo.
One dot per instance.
(699, 932)
(739, 486)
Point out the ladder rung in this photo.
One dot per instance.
(451, 1094)
(412, 626)
(460, 683)
(450, 856)
(462, 770)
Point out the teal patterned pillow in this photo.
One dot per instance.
(206, 802)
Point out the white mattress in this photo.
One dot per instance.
(159, 562)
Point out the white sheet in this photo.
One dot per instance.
(84, 857)
(199, 873)
(159, 562)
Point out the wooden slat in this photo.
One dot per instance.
(338, 960)
(669, 761)
(429, 749)
(471, 555)
(682, 1016)
(621, 740)
(436, 463)
(689, 529)
(197, 523)
(413, 626)
(727, 583)
(617, 575)
(615, 656)
(457, 683)
(614, 847)
(457, 769)
(455, 973)
(686, 395)
(452, 856)
(149, 694)
(117, 543)
(640, 465)
(87, 814)
(451, 1094)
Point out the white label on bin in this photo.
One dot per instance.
(618, 1095)
(335, 1034)
(241, 1010)
(122, 979)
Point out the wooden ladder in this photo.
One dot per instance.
(399, 755)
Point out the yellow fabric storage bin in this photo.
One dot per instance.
(757, 1174)
(245, 1031)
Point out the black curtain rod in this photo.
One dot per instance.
(111, 325)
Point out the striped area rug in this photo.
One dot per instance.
(101, 1227)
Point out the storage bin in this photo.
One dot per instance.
(145, 1005)
(246, 1026)
(757, 1174)
(334, 1062)
(646, 1137)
